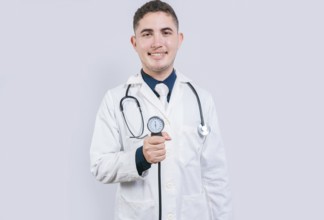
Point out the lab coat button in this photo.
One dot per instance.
(170, 216)
(169, 185)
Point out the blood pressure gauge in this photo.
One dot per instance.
(155, 125)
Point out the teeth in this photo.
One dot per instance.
(156, 54)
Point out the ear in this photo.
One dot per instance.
(180, 39)
(133, 41)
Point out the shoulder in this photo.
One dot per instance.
(113, 96)
(202, 92)
(204, 96)
(115, 93)
(119, 91)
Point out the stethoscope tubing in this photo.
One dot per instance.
(121, 107)
(203, 129)
(139, 136)
(199, 103)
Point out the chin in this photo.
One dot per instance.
(160, 70)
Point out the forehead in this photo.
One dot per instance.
(156, 20)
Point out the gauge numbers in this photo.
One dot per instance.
(155, 125)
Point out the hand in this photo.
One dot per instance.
(154, 148)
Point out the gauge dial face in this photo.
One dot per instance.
(155, 124)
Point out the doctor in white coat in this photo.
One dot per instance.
(194, 178)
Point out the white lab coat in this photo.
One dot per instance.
(194, 173)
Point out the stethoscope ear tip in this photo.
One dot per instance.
(203, 130)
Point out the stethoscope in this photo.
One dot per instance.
(156, 125)
(203, 129)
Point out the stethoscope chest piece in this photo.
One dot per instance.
(203, 130)
(155, 125)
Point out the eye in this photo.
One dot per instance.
(147, 34)
(167, 32)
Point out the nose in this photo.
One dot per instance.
(157, 41)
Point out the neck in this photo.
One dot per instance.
(161, 75)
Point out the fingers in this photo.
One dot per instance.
(166, 136)
(159, 139)
(156, 140)
(154, 148)
(155, 156)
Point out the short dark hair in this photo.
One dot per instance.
(154, 6)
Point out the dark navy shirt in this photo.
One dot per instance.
(151, 82)
(141, 163)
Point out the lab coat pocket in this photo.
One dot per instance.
(190, 146)
(131, 210)
(194, 207)
(131, 143)
(192, 137)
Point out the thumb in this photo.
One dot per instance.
(166, 136)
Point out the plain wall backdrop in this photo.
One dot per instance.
(261, 60)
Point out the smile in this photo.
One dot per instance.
(157, 54)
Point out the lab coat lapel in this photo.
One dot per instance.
(149, 95)
(145, 92)
(176, 95)
(177, 92)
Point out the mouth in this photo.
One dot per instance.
(157, 54)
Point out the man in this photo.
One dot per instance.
(194, 180)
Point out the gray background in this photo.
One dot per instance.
(262, 61)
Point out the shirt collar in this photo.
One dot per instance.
(151, 82)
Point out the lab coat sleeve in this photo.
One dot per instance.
(214, 170)
(109, 162)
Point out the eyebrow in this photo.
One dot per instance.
(167, 29)
(146, 30)
(151, 30)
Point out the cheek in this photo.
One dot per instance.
(143, 45)
(140, 50)
(173, 47)
(173, 44)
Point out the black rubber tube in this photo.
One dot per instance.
(160, 193)
(159, 181)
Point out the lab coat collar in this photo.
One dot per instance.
(137, 79)
(146, 92)
(182, 78)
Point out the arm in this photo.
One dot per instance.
(214, 170)
(109, 162)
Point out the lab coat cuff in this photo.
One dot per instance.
(141, 163)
